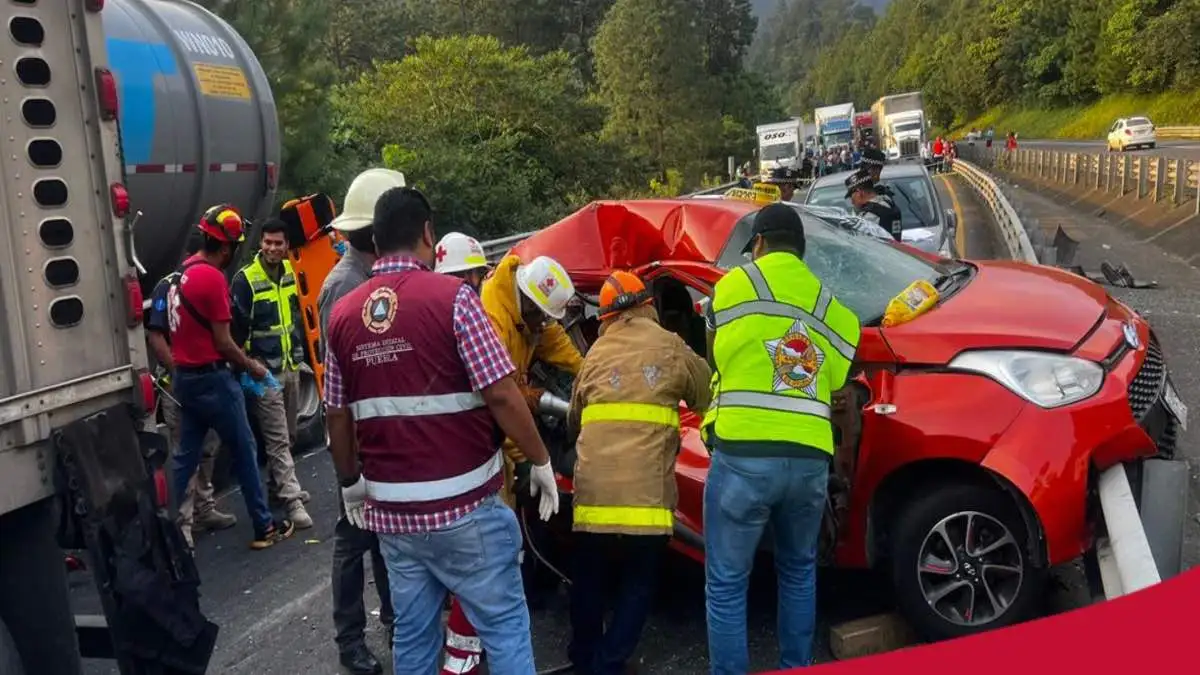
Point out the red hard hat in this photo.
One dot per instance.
(622, 291)
(224, 223)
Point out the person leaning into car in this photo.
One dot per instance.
(780, 345)
(625, 410)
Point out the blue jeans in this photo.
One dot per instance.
(477, 559)
(741, 497)
(214, 400)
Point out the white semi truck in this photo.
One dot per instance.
(835, 124)
(902, 125)
(780, 144)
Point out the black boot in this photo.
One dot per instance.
(359, 660)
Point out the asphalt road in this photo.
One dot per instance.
(274, 607)
(1182, 149)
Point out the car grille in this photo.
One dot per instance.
(1147, 386)
(909, 147)
(1146, 402)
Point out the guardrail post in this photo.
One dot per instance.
(1180, 182)
(1160, 165)
(1141, 171)
(1078, 158)
(1126, 171)
(1097, 164)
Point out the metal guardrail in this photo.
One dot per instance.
(1178, 132)
(1143, 177)
(1012, 230)
(495, 249)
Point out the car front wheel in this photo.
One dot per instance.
(960, 562)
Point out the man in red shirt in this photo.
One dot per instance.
(203, 349)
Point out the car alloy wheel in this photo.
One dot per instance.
(970, 568)
(960, 560)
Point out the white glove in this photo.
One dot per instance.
(355, 498)
(541, 479)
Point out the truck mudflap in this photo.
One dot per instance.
(147, 580)
(1144, 508)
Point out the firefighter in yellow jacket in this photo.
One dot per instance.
(525, 302)
(625, 408)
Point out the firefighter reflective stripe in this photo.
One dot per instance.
(415, 406)
(429, 490)
(624, 516)
(787, 404)
(630, 412)
(463, 642)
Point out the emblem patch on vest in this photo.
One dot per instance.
(650, 373)
(797, 360)
(379, 310)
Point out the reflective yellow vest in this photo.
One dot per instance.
(783, 345)
(273, 311)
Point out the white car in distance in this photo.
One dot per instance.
(1132, 132)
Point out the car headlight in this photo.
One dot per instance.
(1048, 380)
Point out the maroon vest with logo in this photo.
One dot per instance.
(425, 438)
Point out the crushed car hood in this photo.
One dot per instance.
(1007, 305)
(608, 235)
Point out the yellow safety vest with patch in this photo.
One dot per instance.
(273, 311)
(783, 345)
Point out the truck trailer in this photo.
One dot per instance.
(902, 125)
(780, 144)
(113, 109)
(835, 124)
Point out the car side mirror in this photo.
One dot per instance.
(951, 220)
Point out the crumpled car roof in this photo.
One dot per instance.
(608, 235)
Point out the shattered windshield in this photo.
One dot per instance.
(864, 272)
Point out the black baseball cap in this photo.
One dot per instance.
(775, 218)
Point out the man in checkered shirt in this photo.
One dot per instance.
(416, 381)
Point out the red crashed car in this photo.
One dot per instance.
(970, 438)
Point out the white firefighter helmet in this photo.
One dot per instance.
(546, 283)
(457, 252)
(358, 209)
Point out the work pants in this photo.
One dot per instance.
(199, 498)
(741, 496)
(632, 561)
(275, 412)
(350, 546)
(477, 559)
(212, 399)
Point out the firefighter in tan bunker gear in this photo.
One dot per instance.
(625, 409)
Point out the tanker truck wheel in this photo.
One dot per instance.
(310, 415)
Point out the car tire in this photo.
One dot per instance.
(10, 660)
(1152, 145)
(310, 414)
(937, 602)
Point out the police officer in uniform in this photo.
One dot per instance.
(785, 178)
(862, 193)
(873, 160)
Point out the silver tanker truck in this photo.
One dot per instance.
(80, 459)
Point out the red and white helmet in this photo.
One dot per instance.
(456, 252)
(546, 283)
